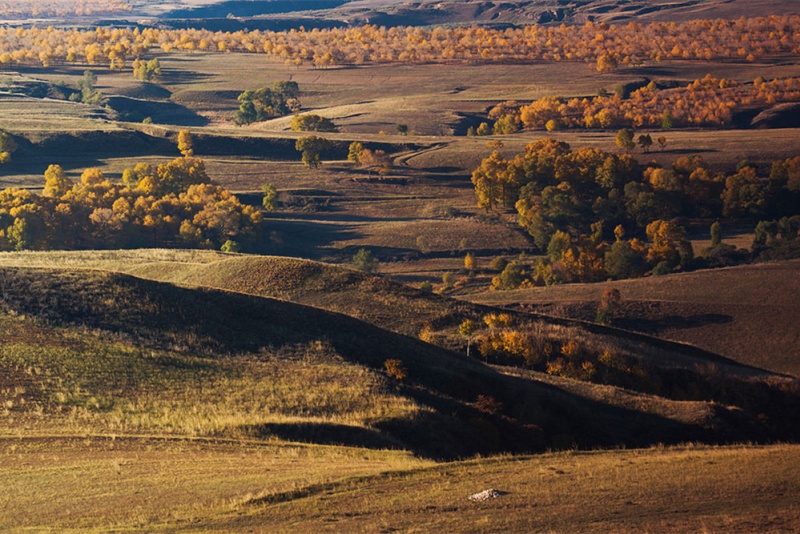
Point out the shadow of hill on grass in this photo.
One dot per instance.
(529, 415)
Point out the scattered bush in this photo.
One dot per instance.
(396, 369)
(363, 260)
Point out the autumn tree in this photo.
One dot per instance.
(744, 194)
(625, 259)
(669, 244)
(270, 199)
(716, 234)
(56, 182)
(354, 151)
(312, 123)
(363, 260)
(146, 71)
(185, 144)
(469, 262)
(267, 102)
(467, 329)
(610, 304)
(645, 142)
(88, 94)
(625, 141)
(311, 148)
(7, 147)
(375, 159)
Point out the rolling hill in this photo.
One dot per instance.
(119, 350)
(747, 313)
(322, 13)
(214, 333)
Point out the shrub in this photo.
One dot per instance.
(396, 369)
(511, 277)
(364, 261)
(498, 264)
(488, 404)
(230, 246)
(448, 279)
(609, 306)
(469, 262)
(662, 268)
(426, 334)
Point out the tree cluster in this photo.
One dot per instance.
(146, 71)
(311, 149)
(310, 122)
(599, 215)
(506, 340)
(172, 204)
(267, 102)
(370, 159)
(705, 102)
(607, 46)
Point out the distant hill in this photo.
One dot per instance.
(426, 12)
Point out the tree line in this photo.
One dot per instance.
(598, 215)
(707, 101)
(61, 8)
(606, 46)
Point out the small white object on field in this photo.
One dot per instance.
(485, 495)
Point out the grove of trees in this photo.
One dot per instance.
(60, 8)
(171, 204)
(267, 102)
(598, 215)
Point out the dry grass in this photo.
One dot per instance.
(110, 483)
(664, 490)
(202, 362)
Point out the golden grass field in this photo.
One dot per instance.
(168, 485)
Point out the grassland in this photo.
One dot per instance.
(193, 390)
(124, 484)
(423, 211)
(199, 409)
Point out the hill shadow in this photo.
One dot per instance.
(655, 326)
(161, 112)
(322, 433)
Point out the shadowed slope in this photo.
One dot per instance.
(205, 324)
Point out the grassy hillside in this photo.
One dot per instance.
(389, 13)
(370, 298)
(747, 313)
(112, 353)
